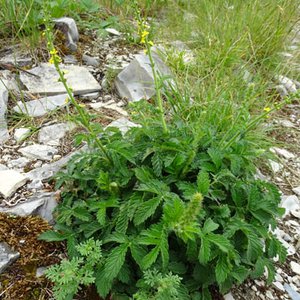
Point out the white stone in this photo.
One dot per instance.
(36, 151)
(123, 124)
(297, 190)
(113, 31)
(42, 106)
(282, 91)
(275, 166)
(69, 28)
(24, 209)
(295, 267)
(292, 293)
(3, 167)
(278, 277)
(78, 78)
(229, 296)
(21, 133)
(282, 152)
(40, 271)
(90, 96)
(18, 163)
(7, 78)
(136, 81)
(10, 181)
(7, 256)
(269, 295)
(286, 123)
(112, 106)
(90, 61)
(287, 83)
(278, 286)
(50, 135)
(296, 213)
(290, 203)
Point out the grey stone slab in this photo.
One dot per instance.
(7, 78)
(50, 135)
(37, 151)
(69, 28)
(40, 204)
(136, 81)
(123, 124)
(292, 293)
(48, 170)
(7, 256)
(78, 78)
(21, 134)
(10, 181)
(40, 107)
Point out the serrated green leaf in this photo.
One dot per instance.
(222, 269)
(209, 226)
(220, 241)
(138, 252)
(81, 213)
(52, 236)
(143, 174)
(146, 210)
(240, 273)
(203, 182)
(101, 216)
(157, 164)
(103, 284)
(204, 252)
(150, 258)
(116, 237)
(115, 261)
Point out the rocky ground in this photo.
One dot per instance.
(36, 140)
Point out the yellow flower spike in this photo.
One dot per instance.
(67, 100)
(267, 109)
(150, 43)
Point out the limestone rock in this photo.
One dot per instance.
(18, 163)
(123, 124)
(290, 203)
(78, 78)
(21, 134)
(50, 135)
(113, 31)
(42, 106)
(228, 296)
(287, 83)
(282, 152)
(10, 181)
(7, 256)
(7, 78)
(37, 151)
(295, 267)
(292, 293)
(69, 28)
(90, 61)
(297, 190)
(136, 81)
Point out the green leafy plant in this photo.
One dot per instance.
(174, 202)
(70, 274)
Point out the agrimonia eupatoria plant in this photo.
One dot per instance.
(176, 207)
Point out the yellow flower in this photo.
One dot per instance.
(267, 109)
(81, 105)
(150, 43)
(53, 51)
(144, 34)
(67, 100)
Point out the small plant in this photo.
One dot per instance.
(70, 274)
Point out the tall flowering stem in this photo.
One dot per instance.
(143, 32)
(84, 118)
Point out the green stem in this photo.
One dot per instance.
(159, 101)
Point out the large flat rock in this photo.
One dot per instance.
(136, 81)
(10, 181)
(37, 151)
(42, 106)
(50, 135)
(78, 78)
